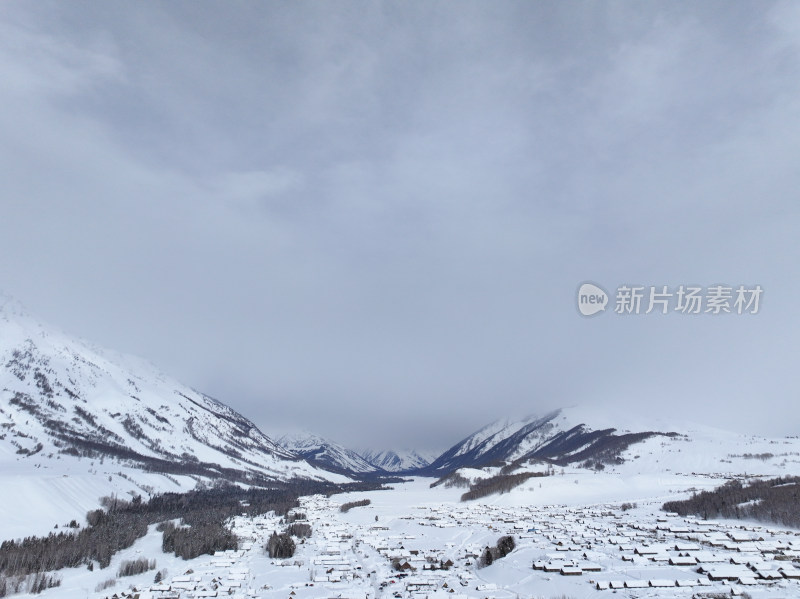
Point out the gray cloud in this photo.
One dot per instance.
(373, 217)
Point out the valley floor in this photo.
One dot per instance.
(584, 549)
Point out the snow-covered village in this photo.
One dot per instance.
(408, 543)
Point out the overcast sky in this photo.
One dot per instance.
(370, 219)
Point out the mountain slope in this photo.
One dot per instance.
(61, 398)
(559, 437)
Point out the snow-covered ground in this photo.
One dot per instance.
(571, 522)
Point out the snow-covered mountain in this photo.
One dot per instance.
(327, 454)
(406, 460)
(63, 399)
(561, 436)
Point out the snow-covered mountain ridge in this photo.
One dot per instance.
(560, 436)
(61, 398)
(335, 457)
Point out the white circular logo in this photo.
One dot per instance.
(591, 299)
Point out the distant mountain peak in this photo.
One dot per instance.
(327, 454)
(398, 461)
